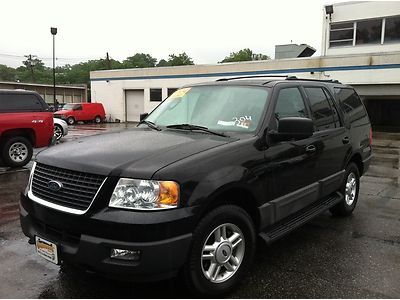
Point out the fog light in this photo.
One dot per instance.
(133, 255)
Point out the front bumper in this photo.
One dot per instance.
(86, 241)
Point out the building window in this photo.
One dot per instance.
(156, 95)
(392, 29)
(341, 34)
(171, 91)
(372, 31)
(369, 32)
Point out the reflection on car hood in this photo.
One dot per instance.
(138, 152)
(61, 112)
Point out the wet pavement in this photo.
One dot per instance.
(355, 257)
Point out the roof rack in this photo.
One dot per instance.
(286, 77)
(255, 76)
(310, 79)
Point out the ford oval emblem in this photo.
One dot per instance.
(54, 185)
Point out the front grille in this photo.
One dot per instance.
(77, 191)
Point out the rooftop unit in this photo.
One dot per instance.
(293, 51)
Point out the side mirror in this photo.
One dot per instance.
(143, 116)
(294, 128)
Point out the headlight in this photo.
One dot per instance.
(30, 178)
(145, 194)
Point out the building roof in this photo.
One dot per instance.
(80, 87)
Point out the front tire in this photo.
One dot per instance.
(71, 121)
(58, 132)
(350, 189)
(223, 248)
(17, 152)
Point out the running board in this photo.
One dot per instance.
(290, 223)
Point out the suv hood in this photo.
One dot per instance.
(138, 152)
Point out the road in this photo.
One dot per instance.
(356, 257)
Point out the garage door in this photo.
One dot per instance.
(384, 114)
(134, 105)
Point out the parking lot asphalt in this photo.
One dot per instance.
(355, 257)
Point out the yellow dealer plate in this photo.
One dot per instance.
(47, 250)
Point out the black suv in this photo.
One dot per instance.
(189, 190)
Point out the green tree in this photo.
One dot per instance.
(33, 70)
(244, 55)
(8, 73)
(162, 63)
(179, 60)
(139, 60)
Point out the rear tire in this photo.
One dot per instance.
(223, 248)
(17, 151)
(71, 121)
(350, 189)
(97, 119)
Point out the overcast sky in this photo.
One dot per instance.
(207, 30)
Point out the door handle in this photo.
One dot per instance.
(311, 149)
(346, 140)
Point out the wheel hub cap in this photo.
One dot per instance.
(18, 152)
(223, 253)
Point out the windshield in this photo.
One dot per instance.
(70, 106)
(220, 108)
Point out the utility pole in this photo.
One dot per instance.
(108, 61)
(30, 65)
(53, 31)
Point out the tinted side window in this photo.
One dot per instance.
(320, 109)
(334, 107)
(290, 104)
(19, 103)
(350, 103)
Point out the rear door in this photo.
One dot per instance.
(291, 165)
(356, 120)
(330, 135)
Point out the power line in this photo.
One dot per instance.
(12, 56)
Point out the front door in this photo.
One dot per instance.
(291, 165)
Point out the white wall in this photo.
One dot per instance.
(352, 11)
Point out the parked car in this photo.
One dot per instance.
(25, 122)
(60, 128)
(189, 190)
(74, 112)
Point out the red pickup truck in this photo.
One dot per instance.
(25, 123)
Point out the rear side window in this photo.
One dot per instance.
(320, 108)
(350, 103)
(290, 103)
(20, 103)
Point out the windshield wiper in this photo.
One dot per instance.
(195, 127)
(150, 124)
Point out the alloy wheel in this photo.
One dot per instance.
(223, 252)
(351, 189)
